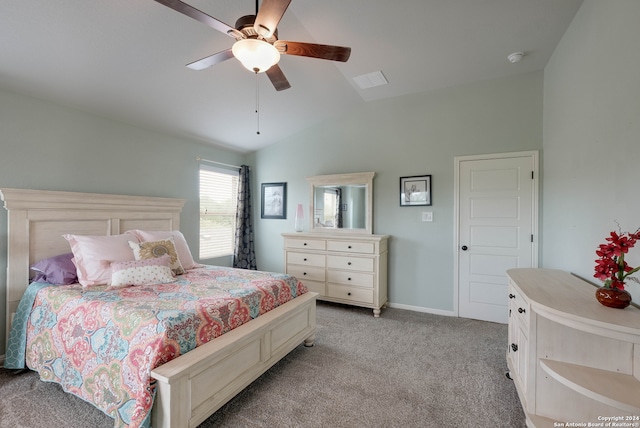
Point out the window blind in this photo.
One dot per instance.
(218, 206)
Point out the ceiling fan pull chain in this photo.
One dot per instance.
(257, 105)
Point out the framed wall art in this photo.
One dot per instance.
(415, 191)
(273, 203)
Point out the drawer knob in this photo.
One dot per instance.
(349, 246)
(304, 273)
(349, 263)
(305, 259)
(349, 293)
(521, 310)
(514, 347)
(348, 279)
(304, 244)
(512, 296)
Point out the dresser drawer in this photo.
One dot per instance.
(351, 246)
(305, 259)
(519, 306)
(350, 263)
(360, 295)
(306, 244)
(315, 286)
(306, 272)
(350, 278)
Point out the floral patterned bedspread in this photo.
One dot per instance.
(101, 344)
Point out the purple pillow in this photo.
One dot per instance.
(56, 270)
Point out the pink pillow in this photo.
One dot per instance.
(93, 256)
(184, 254)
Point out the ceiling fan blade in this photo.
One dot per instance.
(277, 78)
(313, 50)
(269, 16)
(198, 15)
(210, 60)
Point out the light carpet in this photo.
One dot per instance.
(404, 369)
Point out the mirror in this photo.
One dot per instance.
(342, 203)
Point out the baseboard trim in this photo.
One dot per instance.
(421, 309)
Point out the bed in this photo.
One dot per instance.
(192, 386)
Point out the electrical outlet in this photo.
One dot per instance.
(427, 216)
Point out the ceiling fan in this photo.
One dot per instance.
(257, 46)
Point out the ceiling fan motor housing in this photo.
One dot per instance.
(244, 25)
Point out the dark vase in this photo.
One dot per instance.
(613, 297)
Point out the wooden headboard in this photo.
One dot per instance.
(37, 220)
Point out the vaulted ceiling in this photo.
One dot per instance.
(125, 59)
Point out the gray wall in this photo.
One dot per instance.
(592, 136)
(410, 135)
(50, 147)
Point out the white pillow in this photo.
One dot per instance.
(93, 256)
(141, 272)
(184, 254)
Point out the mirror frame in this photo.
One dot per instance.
(363, 178)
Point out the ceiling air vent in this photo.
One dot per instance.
(370, 80)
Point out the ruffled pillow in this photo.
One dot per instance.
(141, 272)
(184, 254)
(154, 249)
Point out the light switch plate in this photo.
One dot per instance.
(427, 216)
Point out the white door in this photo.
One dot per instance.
(496, 229)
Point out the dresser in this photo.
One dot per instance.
(348, 268)
(572, 360)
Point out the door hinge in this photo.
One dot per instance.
(532, 237)
(532, 175)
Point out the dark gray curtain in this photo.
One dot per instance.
(338, 222)
(244, 257)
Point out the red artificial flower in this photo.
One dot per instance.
(605, 251)
(620, 244)
(617, 284)
(611, 268)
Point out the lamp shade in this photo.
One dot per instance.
(255, 55)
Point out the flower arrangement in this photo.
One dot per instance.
(611, 266)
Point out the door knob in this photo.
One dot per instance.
(464, 248)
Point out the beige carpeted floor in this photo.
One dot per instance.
(405, 369)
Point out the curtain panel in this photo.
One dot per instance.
(244, 254)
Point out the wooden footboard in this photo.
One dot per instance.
(194, 386)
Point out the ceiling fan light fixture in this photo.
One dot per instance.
(255, 55)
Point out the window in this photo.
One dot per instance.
(218, 206)
(330, 201)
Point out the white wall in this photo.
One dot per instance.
(592, 136)
(51, 147)
(405, 136)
